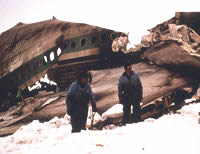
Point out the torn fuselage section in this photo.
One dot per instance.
(174, 44)
(73, 50)
(88, 52)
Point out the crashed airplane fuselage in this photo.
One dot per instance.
(27, 51)
(169, 63)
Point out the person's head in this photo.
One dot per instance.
(128, 68)
(83, 77)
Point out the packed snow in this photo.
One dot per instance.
(171, 133)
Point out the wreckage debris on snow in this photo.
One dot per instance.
(169, 62)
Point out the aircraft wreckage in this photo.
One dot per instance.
(167, 60)
(29, 50)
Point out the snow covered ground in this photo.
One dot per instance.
(172, 133)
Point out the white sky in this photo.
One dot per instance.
(120, 15)
(171, 134)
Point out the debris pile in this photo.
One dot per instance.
(167, 61)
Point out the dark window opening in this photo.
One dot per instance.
(113, 36)
(64, 46)
(73, 44)
(93, 40)
(83, 42)
(124, 35)
(103, 37)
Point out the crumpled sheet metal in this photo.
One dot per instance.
(120, 44)
(189, 39)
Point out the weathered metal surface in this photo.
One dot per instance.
(28, 50)
(157, 82)
(174, 48)
(173, 54)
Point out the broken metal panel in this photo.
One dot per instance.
(190, 19)
(120, 43)
(177, 45)
(171, 53)
(162, 27)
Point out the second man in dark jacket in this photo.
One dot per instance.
(130, 93)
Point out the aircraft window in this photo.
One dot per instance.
(73, 44)
(93, 40)
(112, 36)
(103, 37)
(45, 59)
(52, 56)
(83, 42)
(59, 52)
(64, 46)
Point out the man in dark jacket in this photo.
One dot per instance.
(77, 101)
(130, 93)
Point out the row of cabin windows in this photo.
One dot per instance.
(36, 65)
(103, 38)
(52, 54)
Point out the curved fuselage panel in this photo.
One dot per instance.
(28, 50)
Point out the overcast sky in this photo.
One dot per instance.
(121, 15)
